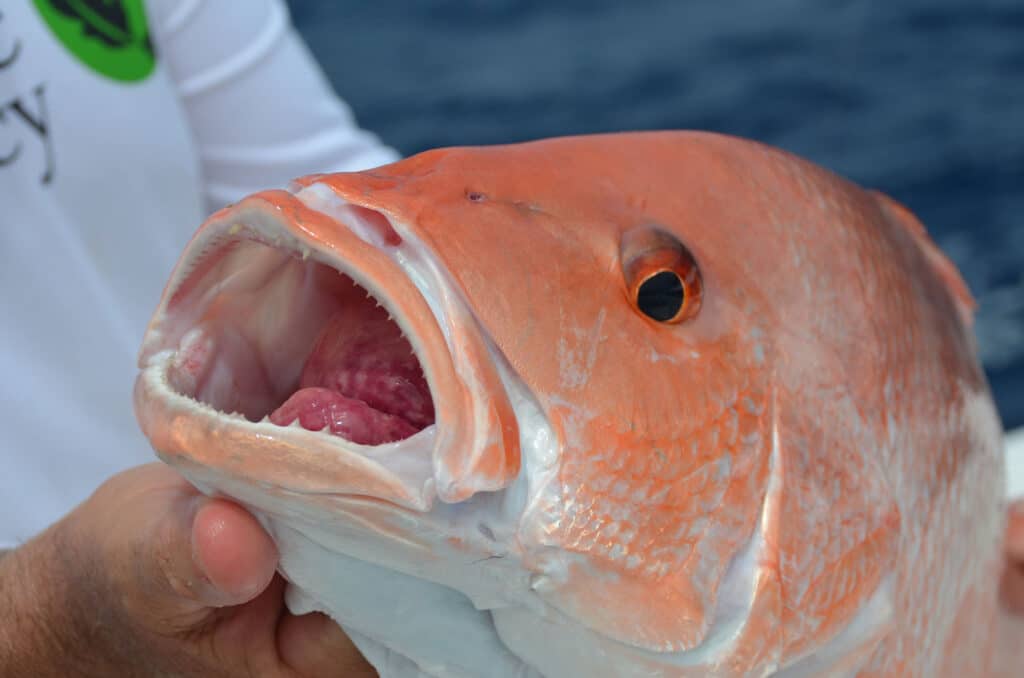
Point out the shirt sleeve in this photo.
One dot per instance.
(260, 109)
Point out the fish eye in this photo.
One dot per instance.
(662, 277)
(661, 296)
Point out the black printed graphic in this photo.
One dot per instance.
(9, 58)
(106, 21)
(109, 36)
(35, 116)
(8, 157)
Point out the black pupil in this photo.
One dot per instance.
(661, 296)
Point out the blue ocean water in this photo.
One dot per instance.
(923, 99)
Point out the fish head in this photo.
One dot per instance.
(628, 374)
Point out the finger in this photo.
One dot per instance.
(211, 550)
(245, 635)
(1015, 530)
(1011, 589)
(1012, 585)
(190, 553)
(313, 645)
(233, 551)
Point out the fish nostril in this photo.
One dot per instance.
(486, 531)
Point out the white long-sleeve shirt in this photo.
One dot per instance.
(121, 126)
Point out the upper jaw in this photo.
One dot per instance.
(281, 259)
(287, 237)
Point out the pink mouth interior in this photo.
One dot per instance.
(361, 382)
(295, 340)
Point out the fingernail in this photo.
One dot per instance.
(228, 551)
(209, 591)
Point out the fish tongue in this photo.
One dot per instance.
(318, 408)
(362, 381)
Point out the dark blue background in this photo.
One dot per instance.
(923, 99)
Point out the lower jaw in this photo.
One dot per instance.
(280, 459)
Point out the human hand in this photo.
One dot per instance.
(1012, 586)
(148, 577)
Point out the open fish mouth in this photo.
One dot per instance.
(287, 340)
(274, 344)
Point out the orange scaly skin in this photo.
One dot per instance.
(803, 478)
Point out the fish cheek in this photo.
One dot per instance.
(653, 509)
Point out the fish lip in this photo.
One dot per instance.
(186, 431)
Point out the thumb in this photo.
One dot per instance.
(232, 551)
(199, 554)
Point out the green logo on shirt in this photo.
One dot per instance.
(108, 36)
